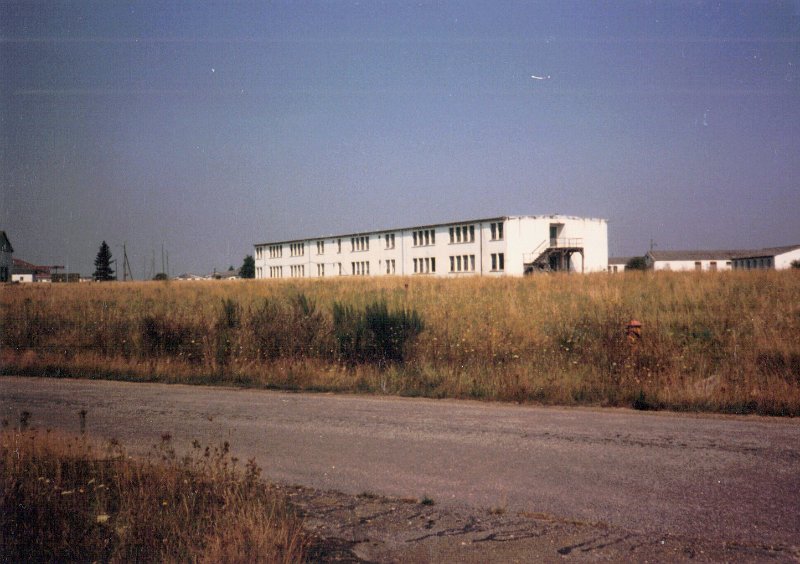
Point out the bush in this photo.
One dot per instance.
(62, 500)
(162, 336)
(636, 263)
(374, 335)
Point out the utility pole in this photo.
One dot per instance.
(126, 265)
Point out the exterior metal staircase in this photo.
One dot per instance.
(553, 255)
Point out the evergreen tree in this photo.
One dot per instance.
(102, 264)
(248, 269)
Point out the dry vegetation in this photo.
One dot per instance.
(63, 499)
(726, 342)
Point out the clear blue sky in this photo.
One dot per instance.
(209, 127)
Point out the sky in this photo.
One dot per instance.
(208, 127)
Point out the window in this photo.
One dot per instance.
(320, 270)
(298, 271)
(462, 234)
(275, 251)
(462, 263)
(338, 245)
(297, 249)
(698, 265)
(497, 231)
(359, 243)
(389, 239)
(498, 262)
(339, 268)
(425, 265)
(390, 266)
(424, 237)
(712, 265)
(276, 272)
(360, 268)
(320, 247)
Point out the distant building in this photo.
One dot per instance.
(690, 260)
(23, 271)
(6, 257)
(617, 264)
(70, 277)
(769, 258)
(497, 246)
(775, 257)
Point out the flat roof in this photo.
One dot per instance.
(429, 226)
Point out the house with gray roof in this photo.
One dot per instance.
(777, 258)
(6, 257)
(769, 258)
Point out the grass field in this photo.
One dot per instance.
(724, 342)
(65, 499)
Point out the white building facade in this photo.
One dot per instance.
(690, 260)
(777, 258)
(509, 245)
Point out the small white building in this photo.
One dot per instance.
(690, 260)
(508, 245)
(618, 264)
(777, 258)
(6, 257)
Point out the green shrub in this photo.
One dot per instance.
(374, 335)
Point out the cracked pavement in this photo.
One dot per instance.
(507, 482)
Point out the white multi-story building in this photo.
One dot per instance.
(512, 245)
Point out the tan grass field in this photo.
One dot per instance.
(66, 499)
(723, 342)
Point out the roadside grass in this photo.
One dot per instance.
(64, 498)
(725, 342)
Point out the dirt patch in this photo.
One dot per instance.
(371, 528)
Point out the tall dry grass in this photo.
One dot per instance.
(64, 499)
(727, 341)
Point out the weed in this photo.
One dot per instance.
(723, 341)
(60, 500)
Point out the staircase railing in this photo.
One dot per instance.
(554, 243)
(528, 258)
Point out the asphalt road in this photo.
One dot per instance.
(724, 479)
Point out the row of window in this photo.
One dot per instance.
(275, 251)
(359, 243)
(754, 263)
(421, 238)
(425, 265)
(462, 234)
(462, 263)
(496, 230)
(498, 261)
(424, 237)
(360, 268)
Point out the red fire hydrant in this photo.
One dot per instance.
(633, 331)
